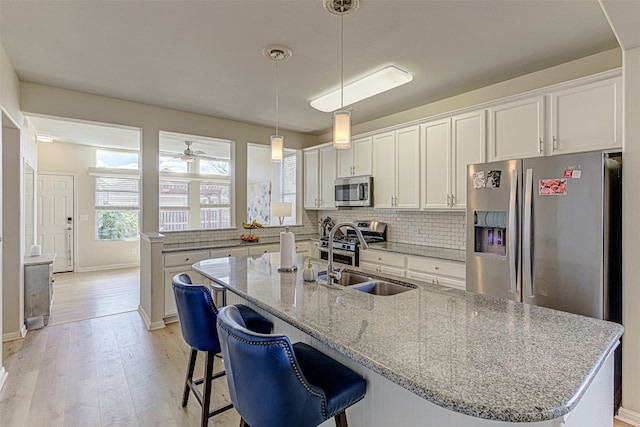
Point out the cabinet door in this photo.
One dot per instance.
(391, 270)
(264, 249)
(227, 252)
(587, 117)
(169, 299)
(362, 156)
(384, 170)
(311, 177)
(468, 146)
(327, 177)
(429, 278)
(345, 162)
(436, 164)
(516, 129)
(408, 168)
(368, 266)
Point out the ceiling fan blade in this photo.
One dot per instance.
(199, 152)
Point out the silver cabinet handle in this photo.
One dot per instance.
(526, 232)
(540, 146)
(512, 231)
(453, 200)
(555, 144)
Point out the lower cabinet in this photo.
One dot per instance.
(382, 262)
(437, 271)
(38, 291)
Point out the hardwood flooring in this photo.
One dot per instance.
(81, 296)
(105, 371)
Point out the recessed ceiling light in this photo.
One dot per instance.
(44, 138)
(373, 84)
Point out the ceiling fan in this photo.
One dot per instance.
(189, 155)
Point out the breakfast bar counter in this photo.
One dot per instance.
(474, 360)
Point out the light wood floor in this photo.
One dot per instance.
(105, 371)
(80, 296)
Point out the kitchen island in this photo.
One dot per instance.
(439, 356)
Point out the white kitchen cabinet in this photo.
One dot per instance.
(587, 117)
(516, 129)
(264, 249)
(468, 145)
(436, 164)
(38, 287)
(382, 262)
(314, 251)
(449, 145)
(319, 177)
(181, 262)
(302, 248)
(396, 169)
(437, 271)
(356, 160)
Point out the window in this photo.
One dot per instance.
(117, 207)
(174, 205)
(270, 182)
(116, 159)
(195, 194)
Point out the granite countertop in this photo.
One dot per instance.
(474, 354)
(219, 244)
(420, 250)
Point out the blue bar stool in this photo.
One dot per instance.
(273, 383)
(197, 314)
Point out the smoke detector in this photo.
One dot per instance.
(341, 7)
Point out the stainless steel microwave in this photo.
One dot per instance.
(354, 191)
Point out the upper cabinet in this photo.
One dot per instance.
(356, 160)
(516, 129)
(449, 145)
(319, 177)
(587, 117)
(396, 169)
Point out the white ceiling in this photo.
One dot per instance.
(206, 56)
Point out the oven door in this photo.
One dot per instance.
(343, 257)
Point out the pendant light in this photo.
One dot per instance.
(342, 117)
(277, 54)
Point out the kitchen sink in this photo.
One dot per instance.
(348, 279)
(382, 288)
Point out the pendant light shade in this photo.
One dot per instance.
(341, 129)
(277, 54)
(277, 148)
(341, 118)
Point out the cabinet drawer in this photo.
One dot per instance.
(394, 260)
(264, 249)
(436, 266)
(184, 258)
(302, 247)
(221, 253)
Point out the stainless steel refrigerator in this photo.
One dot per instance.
(547, 231)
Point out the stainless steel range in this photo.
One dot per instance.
(346, 247)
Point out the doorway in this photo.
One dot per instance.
(55, 218)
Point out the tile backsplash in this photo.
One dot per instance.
(438, 229)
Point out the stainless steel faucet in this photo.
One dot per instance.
(331, 273)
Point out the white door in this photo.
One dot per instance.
(55, 219)
(408, 168)
(384, 170)
(467, 147)
(327, 177)
(311, 179)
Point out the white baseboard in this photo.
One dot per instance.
(628, 416)
(106, 267)
(151, 326)
(15, 335)
(3, 376)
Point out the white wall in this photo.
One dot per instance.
(91, 254)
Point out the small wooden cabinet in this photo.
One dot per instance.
(38, 287)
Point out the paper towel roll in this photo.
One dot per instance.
(287, 250)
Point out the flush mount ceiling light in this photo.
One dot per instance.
(44, 138)
(342, 117)
(381, 81)
(277, 54)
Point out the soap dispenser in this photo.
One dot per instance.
(309, 273)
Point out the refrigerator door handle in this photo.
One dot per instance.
(526, 233)
(512, 232)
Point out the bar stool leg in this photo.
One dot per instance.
(206, 398)
(189, 379)
(341, 419)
